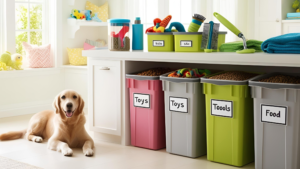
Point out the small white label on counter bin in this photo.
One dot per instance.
(221, 108)
(141, 100)
(159, 43)
(186, 43)
(178, 104)
(273, 114)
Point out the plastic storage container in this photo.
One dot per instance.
(118, 34)
(229, 119)
(147, 118)
(185, 116)
(160, 42)
(276, 135)
(191, 41)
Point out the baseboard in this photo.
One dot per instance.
(107, 138)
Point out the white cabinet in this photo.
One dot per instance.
(268, 19)
(105, 96)
(291, 27)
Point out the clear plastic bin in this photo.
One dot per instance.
(119, 34)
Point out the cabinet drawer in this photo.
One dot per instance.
(106, 97)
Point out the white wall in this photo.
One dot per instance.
(27, 94)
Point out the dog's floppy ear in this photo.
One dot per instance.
(56, 104)
(80, 104)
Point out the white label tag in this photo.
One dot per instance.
(186, 43)
(141, 100)
(159, 43)
(178, 104)
(221, 108)
(273, 114)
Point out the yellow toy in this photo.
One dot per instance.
(14, 61)
(76, 14)
(2, 66)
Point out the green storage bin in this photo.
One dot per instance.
(191, 41)
(230, 135)
(160, 42)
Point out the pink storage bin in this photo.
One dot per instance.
(147, 116)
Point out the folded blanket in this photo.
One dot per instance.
(288, 43)
(235, 46)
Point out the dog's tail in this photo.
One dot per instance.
(12, 135)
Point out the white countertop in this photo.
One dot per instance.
(258, 59)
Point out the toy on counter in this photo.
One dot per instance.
(14, 61)
(178, 27)
(190, 73)
(96, 18)
(88, 15)
(196, 22)
(77, 14)
(160, 25)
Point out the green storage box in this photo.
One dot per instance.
(229, 121)
(191, 41)
(160, 42)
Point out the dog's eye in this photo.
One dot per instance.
(63, 97)
(74, 97)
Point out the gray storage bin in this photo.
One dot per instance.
(186, 125)
(276, 123)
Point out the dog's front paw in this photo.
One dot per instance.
(67, 152)
(89, 152)
(37, 139)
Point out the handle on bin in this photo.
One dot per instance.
(105, 68)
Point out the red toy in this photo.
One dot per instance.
(121, 34)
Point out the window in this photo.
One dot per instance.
(30, 23)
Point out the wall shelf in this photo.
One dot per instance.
(74, 25)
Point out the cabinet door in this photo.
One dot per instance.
(268, 19)
(291, 27)
(105, 96)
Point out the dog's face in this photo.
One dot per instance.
(68, 103)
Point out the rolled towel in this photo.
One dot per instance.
(288, 43)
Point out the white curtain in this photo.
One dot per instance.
(238, 12)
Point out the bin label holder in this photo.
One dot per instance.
(178, 104)
(273, 114)
(158, 43)
(221, 108)
(186, 43)
(141, 100)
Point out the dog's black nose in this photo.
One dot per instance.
(69, 105)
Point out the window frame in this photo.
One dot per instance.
(45, 20)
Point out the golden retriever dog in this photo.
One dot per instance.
(63, 128)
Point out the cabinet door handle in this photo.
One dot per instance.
(277, 20)
(105, 68)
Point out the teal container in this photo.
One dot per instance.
(137, 35)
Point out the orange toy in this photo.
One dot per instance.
(164, 23)
(159, 25)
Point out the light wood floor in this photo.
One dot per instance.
(107, 155)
